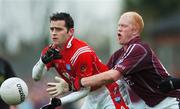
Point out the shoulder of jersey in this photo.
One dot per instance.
(80, 42)
(81, 47)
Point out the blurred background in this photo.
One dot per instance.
(24, 31)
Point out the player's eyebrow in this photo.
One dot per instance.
(57, 28)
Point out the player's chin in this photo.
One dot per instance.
(55, 43)
(120, 42)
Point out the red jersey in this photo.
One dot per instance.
(79, 60)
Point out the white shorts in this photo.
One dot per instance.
(98, 99)
(168, 103)
(101, 99)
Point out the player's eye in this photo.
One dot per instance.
(51, 28)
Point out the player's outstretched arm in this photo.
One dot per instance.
(169, 84)
(101, 79)
(38, 70)
(75, 96)
(72, 97)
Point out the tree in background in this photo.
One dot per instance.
(153, 9)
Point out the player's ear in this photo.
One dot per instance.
(135, 30)
(71, 31)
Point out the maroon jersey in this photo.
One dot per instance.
(142, 71)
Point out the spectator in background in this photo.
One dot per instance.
(6, 72)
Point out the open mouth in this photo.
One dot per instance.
(119, 34)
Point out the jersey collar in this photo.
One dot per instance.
(69, 42)
(132, 41)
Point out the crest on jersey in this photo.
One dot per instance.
(83, 67)
(117, 99)
(68, 67)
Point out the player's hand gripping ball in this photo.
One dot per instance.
(13, 91)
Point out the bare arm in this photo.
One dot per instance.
(101, 79)
(38, 70)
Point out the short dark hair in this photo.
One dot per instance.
(69, 23)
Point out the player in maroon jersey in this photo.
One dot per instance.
(137, 64)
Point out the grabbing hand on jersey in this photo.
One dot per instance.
(54, 102)
(57, 88)
(51, 54)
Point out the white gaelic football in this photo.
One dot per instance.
(13, 91)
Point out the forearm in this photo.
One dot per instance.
(38, 70)
(101, 79)
(74, 96)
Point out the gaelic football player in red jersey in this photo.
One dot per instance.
(73, 59)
